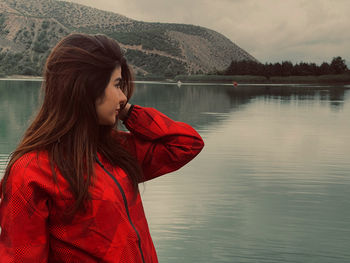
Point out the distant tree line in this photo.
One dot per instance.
(286, 68)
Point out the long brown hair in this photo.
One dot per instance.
(76, 74)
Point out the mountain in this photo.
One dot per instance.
(30, 28)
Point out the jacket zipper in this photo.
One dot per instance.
(125, 204)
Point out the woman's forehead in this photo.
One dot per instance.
(116, 74)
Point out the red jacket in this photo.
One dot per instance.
(115, 228)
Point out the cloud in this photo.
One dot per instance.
(270, 30)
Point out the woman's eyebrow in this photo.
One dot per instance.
(119, 79)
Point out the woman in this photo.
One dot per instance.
(70, 191)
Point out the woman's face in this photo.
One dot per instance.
(109, 105)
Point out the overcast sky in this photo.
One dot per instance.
(270, 30)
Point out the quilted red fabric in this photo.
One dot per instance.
(114, 229)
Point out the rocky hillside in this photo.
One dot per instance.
(30, 28)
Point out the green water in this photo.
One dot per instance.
(271, 185)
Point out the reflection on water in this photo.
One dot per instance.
(271, 185)
(201, 105)
(18, 101)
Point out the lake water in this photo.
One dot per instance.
(271, 185)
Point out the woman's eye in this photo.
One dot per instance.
(121, 86)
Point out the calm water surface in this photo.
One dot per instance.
(271, 185)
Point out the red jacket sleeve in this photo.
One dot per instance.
(23, 219)
(160, 144)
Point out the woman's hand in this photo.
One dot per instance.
(124, 112)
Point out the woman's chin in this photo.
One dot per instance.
(109, 122)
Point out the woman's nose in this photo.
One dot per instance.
(121, 96)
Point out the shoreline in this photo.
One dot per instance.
(340, 79)
(22, 77)
(242, 80)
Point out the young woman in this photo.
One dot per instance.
(70, 191)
